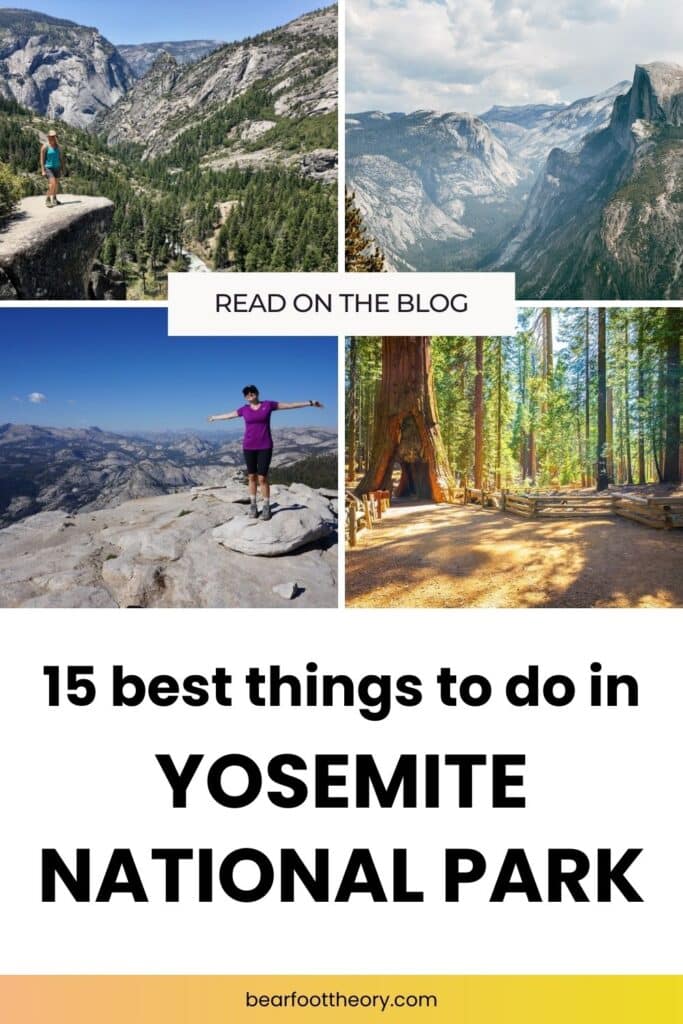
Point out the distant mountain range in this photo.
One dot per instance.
(580, 200)
(58, 468)
(141, 56)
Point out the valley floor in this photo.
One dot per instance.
(448, 556)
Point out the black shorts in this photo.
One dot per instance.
(53, 172)
(258, 460)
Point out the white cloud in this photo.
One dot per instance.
(471, 54)
(37, 397)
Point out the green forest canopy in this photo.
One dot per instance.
(541, 397)
(281, 220)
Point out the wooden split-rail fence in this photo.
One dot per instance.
(666, 513)
(363, 511)
(659, 513)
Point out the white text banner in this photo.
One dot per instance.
(333, 303)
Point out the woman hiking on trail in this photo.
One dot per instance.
(52, 166)
(258, 441)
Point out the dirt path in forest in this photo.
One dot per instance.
(451, 556)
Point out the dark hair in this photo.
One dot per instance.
(249, 388)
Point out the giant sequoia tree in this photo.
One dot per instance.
(406, 429)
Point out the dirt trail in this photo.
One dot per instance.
(450, 556)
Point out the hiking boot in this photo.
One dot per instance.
(48, 200)
(253, 511)
(55, 201)
(266, 514)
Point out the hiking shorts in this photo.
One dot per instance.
(53, 172)
(258, 460)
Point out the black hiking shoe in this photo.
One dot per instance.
(266, 514)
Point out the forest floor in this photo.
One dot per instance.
(423, 555)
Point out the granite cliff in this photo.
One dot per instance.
(605, 220)
(60, 69)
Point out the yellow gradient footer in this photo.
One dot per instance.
(481, 999)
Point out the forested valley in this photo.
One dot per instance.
(167, 208)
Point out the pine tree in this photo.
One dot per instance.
(361, 254)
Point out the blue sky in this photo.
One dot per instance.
(129, 21)
(116, 369)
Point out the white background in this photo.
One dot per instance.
(88, 777)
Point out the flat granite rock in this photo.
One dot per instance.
(291, 528)
(161, 552)
(48, 252)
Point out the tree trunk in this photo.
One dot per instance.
(479, 412)
(609, 435)
(351, 425)
(548, 342)
(524, 438)
(406, 429)
(603, 477)
(499, 418)
(533, 467)
(589, 473)
(627, 418)
(642, 479)
(672, 459)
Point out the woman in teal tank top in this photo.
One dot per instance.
(52, 166)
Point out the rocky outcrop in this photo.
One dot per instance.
(7, 289)
(320, 165)
(292, 526)
(59, 68)
(48, 253)
(163, 553)
(296, 63)
(605, 221)
(106, 282)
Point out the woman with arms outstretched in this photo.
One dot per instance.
(258, 441)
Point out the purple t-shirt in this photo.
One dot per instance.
(257, 434)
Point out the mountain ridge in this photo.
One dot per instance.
(295, 63)
(603, 221)
(141, 56)
(75, 468)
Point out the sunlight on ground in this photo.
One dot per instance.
(428, 555)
